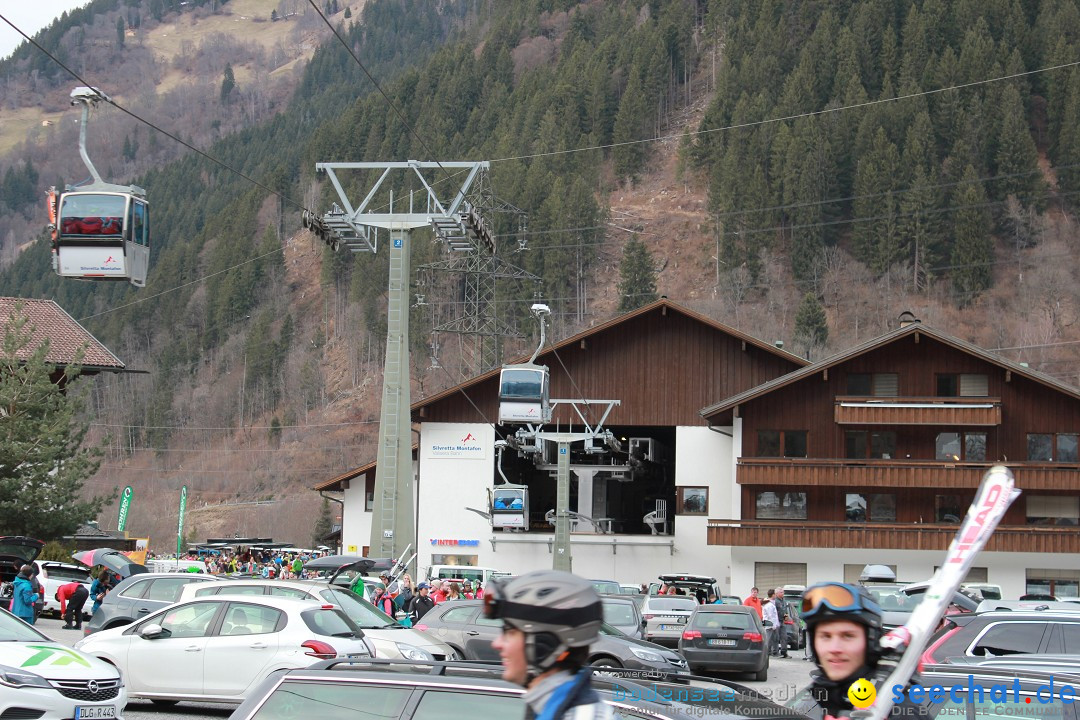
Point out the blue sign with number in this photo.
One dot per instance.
(397, 242)
(562, 451)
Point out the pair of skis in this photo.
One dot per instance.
(996, 492)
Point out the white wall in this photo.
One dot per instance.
(703, 457)
(355, 520)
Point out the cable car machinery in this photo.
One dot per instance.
(523, 400)
(100, 231)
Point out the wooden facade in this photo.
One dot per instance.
(662, 362)
(884, 536)
(816, 406)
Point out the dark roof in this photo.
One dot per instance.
(93, 531)
(64, 335)
(334, 484)
(629, 317)
(889, 337)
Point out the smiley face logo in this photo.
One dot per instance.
(862, 693)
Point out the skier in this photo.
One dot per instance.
(843, 626)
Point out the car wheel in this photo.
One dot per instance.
(762, 675)
(164, 703)
(606, 662)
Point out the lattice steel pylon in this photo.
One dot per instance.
(479, 325)
(458, 223)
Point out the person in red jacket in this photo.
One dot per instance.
(755, 602)
(72, 596)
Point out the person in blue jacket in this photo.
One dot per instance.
(99, 588)
(22, 603)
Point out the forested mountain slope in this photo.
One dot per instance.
(820, 167)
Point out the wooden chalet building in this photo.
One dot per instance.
(663, 362)
(873, 456)
(69, 342)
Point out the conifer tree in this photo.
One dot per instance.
(1016, 158)
(324, 523)
(43, 461)
(811, 324)
(973, 245)
(637, 276)
(630, 155)
(228, 84)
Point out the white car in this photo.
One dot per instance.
(216, 649)
(391, 640)
(54, 574)
(40, 678)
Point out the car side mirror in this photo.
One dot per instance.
(151, 631)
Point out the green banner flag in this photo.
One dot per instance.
(180, 523)
(125, 507)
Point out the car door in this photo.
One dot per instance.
(452, 626)
(127, 598)
(240, 652)
(173, 662)
(163, 591)
(1009, 638)
(470, 703)
(480, 637)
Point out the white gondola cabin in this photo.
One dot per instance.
(101, 231)
(510, 507)
(523, 394)
(103, 235)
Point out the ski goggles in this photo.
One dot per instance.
(492, 599)
(836, 597)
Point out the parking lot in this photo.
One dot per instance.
(785, 678)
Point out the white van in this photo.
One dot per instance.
(463, 572)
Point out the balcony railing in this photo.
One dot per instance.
(899, 473)
(893, 536)
(949, 411)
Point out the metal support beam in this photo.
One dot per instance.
(393, 524)
(562, 560)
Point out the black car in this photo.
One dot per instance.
(1005, 633)
(460, 625)
(725, 638)
(334, 689)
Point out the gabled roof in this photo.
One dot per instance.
(880, 341)
(63, 333)
(664, 303)
(334, 484)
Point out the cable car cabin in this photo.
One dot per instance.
(510, 507)
(103, 235)
(523, 394)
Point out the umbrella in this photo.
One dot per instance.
(343, 563)
(111, 559)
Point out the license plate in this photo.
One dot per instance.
(95, 711)
(669, 627)
(721, 642)
(353, 656)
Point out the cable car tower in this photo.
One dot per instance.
(523, 400)
(457, 223)
(100, 231)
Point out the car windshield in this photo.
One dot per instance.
(606, 588)
(12, 629)
(891, 599)
(606, 629)
(722, 621)
(359, 610)
(672, 603)
(619, 614)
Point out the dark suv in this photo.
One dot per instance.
(1005, 633)
(139, 595)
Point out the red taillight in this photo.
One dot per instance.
(648, 617)
(421, 626)
(319, 649)
(690, 634)
(752, 636)
(927, 658)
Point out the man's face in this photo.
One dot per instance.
(780, 594)
(511, 647)
(841, 648)
(423, 592)
(753, 592)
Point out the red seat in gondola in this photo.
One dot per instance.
(92, 226)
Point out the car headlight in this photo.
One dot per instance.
(647, 655)
(16, 678)
(411, 652)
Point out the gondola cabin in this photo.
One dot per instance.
(510, 507)
(102, 234)
(523, 394)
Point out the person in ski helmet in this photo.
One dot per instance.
(843, 628)
(549, 620)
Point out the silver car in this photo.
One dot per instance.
(665, 618)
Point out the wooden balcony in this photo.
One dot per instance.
(951, 411)
(899, 473)
(891, 536)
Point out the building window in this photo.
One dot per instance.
(781, 443)
(969, 446)
(948, 508)
(781, 506)
(1053, 510)
(876, 384)
(865, 444)
(464, 560)
(878, 507)
(369, 501)
(1051, 581)
(1041, 446)
(963, 385)
(691, 500)
(778, 574)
